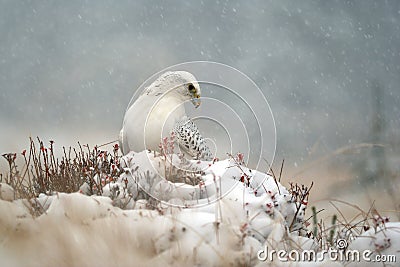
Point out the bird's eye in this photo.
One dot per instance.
(191, 87)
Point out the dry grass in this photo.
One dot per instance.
(327, 230)
(43, 173)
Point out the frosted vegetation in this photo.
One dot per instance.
(97, 208)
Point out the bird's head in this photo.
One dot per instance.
(194, 93)
(184, 84)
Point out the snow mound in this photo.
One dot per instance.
(380, 243)
(164, 211)
(6, 192)
(79, 230)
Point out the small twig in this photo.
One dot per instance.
(332, 231)
(315, 221)
(273, 175)
(280, 173)
(108, 143)
(304, 194)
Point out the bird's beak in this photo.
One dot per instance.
(196, 101)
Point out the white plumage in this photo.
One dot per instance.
(160, 110)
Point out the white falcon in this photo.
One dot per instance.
(159, 111)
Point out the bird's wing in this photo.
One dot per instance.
(190, 140)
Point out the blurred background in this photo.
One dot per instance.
(329, 69)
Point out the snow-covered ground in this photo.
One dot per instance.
(212, 214)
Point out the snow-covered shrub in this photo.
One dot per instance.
(155, 209)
